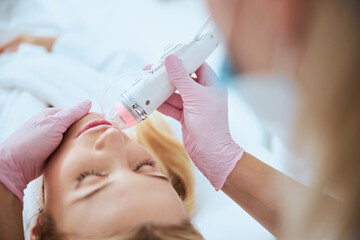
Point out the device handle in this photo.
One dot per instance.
(152, 91)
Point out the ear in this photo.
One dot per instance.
(34, 233)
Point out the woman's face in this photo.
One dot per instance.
(100, 183)
(255, 31)
(243, 24)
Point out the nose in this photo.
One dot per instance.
(112, 138)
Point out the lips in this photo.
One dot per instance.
(92, 124)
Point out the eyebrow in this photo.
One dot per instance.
(99, 189)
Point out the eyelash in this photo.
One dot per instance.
(92, 172)
(145, 162)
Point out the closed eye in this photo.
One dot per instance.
(85, 174)
(101, 188)
(146, 162)
(93, 172)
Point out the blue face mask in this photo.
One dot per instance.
(272, 97)
(228, 74)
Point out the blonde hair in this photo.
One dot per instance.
(329, 123)
(156, 136)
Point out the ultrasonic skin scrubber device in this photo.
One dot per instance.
(125, 106)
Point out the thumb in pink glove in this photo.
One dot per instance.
(23, 154)
(202, 110)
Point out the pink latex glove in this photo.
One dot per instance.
(24, 153)
(202, 110)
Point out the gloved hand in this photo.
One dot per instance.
(23, 154)
(202, 110)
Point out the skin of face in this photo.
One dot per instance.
(261, 36)
(115, 196)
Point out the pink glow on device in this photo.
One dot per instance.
(125, 114)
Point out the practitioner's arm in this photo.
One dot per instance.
(201, 108)
(252, 185)
(255, 186)
(11, 226)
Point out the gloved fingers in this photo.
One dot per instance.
(177, 74)
(51, 111)
(46, 116)
(170, 111)
(205, 75)
(70, 115)
(176, 101)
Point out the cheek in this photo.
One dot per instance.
(224, 13)
(250, 41)
(52, 186)
(235, 20)
(160, 200)
(54, 179)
